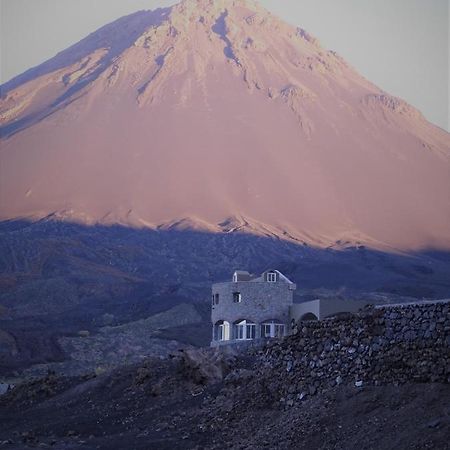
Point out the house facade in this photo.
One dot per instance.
(251, 307)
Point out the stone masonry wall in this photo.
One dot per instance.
(260, 301)
(378, 346)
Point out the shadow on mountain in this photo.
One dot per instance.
(220, 28)
(57, 278)
(116, 37)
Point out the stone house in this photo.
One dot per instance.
(253, 307)
(250, 307)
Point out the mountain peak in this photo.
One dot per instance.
(217, 115)
(207, 12)
(207, 5)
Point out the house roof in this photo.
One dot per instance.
(243, 275)
(282, 276)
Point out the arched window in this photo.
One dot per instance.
(279, 330)
(244, 330)
(273, 329)
(222, 331)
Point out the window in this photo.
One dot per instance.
(279, 331)
(244, 330)
(271, 277)
(239, 331)
(213, 299)
(251, 331)
(221, 332)
(216, 299)
(237, 297)
(265, 330)
(235, 278)
(272, 329)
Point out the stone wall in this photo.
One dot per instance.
(260, 301)
(390, 345)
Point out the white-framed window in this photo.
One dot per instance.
(251, 331)
(244, 330)
(279, 330)
(272, 329)
(237, 297)
(266, 330)
(271, 277)
(222, 331)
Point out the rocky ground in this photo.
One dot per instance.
(67, 289)
(82, 301)
(200, 400)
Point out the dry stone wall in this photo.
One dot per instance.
(391, 345)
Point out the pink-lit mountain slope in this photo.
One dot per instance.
(216, 115)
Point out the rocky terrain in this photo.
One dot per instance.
(160, 154)
(204, 399)
(80, 297)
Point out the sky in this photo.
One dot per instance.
(400, 45)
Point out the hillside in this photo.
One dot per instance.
(137, 289)
(351, 383)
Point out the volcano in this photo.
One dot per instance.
(216, 115)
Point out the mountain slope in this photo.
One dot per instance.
(216, 112)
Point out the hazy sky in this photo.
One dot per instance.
(400, 45)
